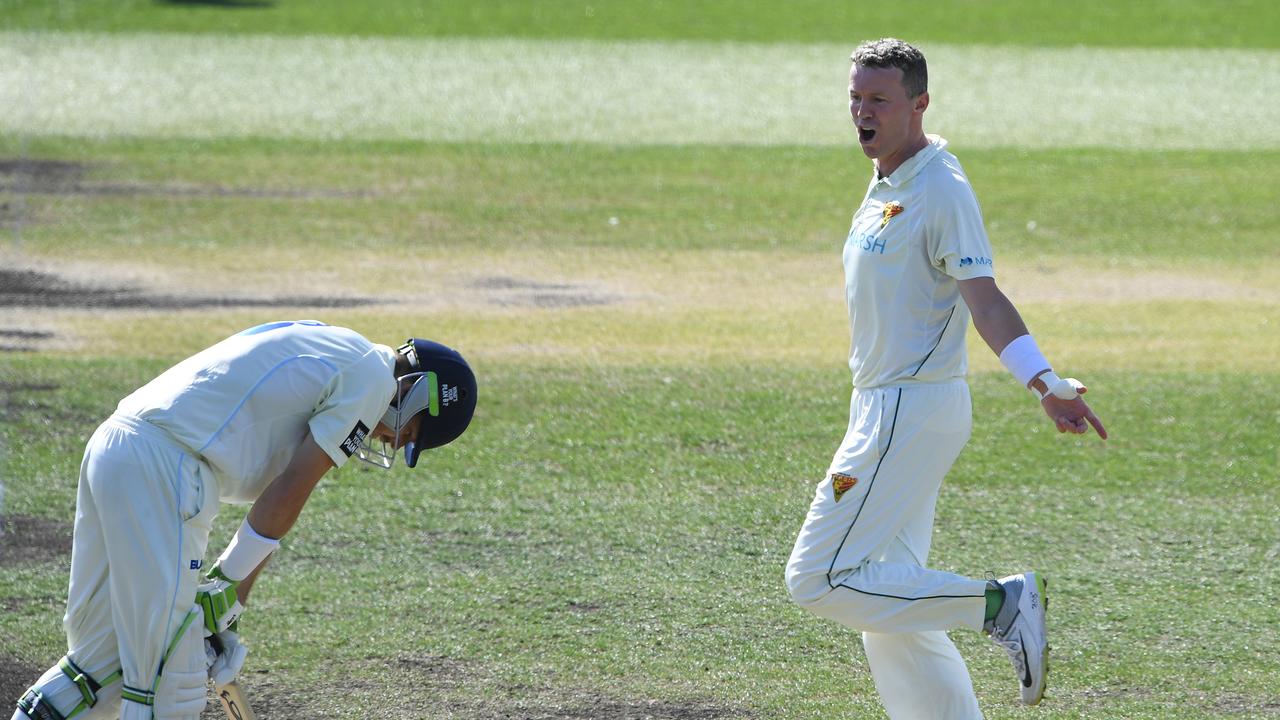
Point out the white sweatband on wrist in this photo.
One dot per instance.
(245, 552)
(1023, 358)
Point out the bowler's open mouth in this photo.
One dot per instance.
(865, 134)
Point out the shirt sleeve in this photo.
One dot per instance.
(957, 240)
(356, 399)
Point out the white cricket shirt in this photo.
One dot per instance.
(246, 403)
(917, 232)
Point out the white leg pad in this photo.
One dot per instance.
(183, 690)
(134, 711)
(182, 695)
(108, 705)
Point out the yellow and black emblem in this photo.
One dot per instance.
(841, 484)
(891, 208)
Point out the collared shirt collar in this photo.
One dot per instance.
(915, 163)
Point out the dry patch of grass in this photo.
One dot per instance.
(615, 306)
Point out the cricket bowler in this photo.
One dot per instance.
(918, 266)
(256, 419)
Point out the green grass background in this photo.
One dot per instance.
(609, 536)
(1152, 23)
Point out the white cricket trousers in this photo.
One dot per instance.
(861, 554)
(144, 509)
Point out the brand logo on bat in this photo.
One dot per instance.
(841, 484)
(231, 705)
(353, 441)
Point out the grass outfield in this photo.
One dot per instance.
(646, 92)
(637, 245)
(543, 251)
(615, 538)
(609, 539)
(1152, 23)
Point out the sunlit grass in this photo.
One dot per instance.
(642, 92)
(1152, 23)
(564, 548)
(638, 249)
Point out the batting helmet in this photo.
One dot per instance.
(443, 391)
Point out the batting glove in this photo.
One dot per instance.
(217, 596)
(225, 656)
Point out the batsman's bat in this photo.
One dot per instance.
(233, 702)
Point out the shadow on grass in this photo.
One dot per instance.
(25, 539)
(21, 287)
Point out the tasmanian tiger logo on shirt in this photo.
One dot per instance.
(891, 208)
(841, 484)
(355, 439)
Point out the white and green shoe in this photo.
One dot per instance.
(1019, 628)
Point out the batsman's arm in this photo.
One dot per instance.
(278, 507)
(246, 585)
(225, 592)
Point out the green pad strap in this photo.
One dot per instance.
(142, 697)
(87, 685)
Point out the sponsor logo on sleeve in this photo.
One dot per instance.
(355, 439)
(967, 261)
(841, 484)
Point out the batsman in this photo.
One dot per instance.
(256, 419)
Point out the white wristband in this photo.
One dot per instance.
(245, 552)
(1023, 358)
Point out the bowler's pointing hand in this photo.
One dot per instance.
(1074, 415)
